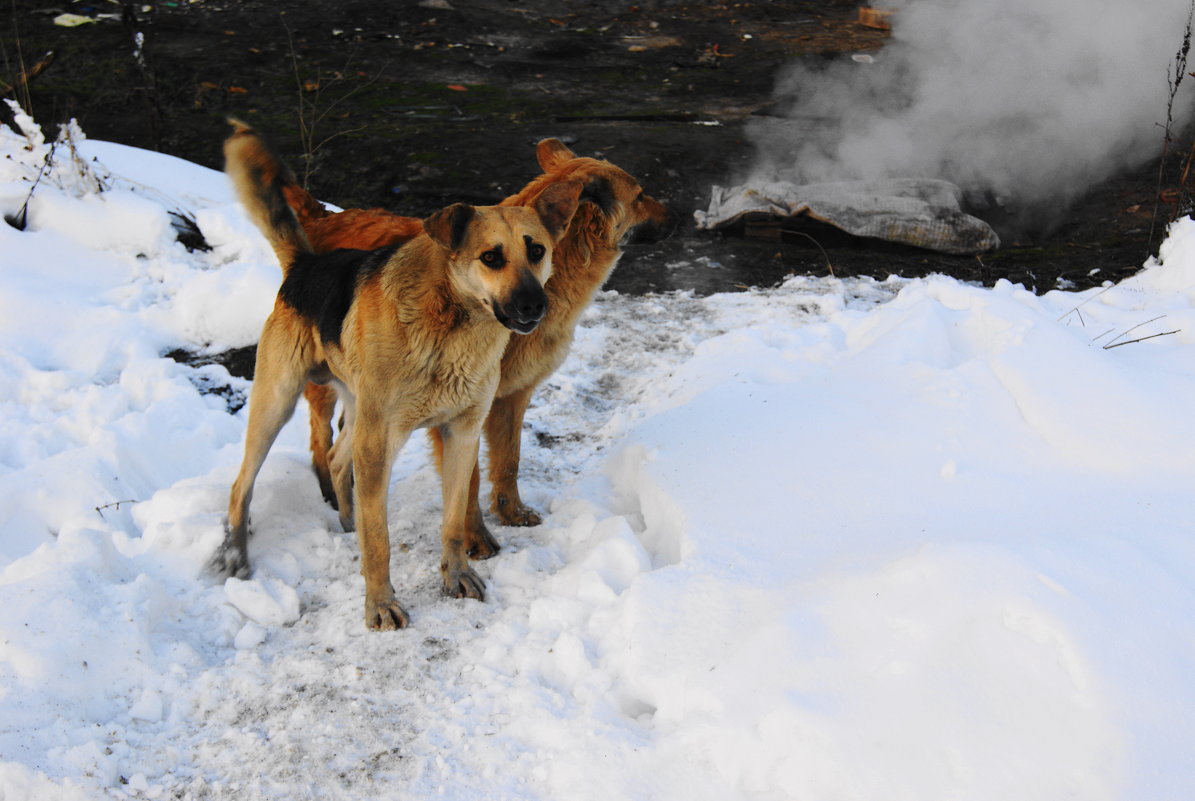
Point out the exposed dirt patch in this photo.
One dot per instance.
(414, 105)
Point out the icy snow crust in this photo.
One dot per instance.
(839, 539)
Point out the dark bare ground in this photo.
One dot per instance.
(412, 105)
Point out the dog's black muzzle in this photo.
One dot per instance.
(526, 306)
(651, 231)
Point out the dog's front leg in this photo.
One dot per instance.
(374, 448)
(503, 435)
(460, 438)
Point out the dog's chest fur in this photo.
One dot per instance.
(532, 358)
(389, 327)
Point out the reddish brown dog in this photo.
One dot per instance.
(613, 204)
(411, 336)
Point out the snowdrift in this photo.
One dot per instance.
(837, 539)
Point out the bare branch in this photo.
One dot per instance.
(1134, 328)
(825, 255)
(1084, 303)
(113, 505)
(1173, 79)
(1142, 339)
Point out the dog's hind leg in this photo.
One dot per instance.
(503, 435)
(321, 403)
(341, 464)
(278, 380)
(479, 542)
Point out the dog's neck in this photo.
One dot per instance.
(583, 261)
(425, 291)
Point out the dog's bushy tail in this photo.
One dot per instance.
(261, 179)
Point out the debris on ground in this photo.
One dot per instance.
(922, 212)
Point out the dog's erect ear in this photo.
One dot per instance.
(600, 193)
(448, 225)
(552, 154)
(557, 204)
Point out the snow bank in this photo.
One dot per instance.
(96, 289)
(909, 539)
(962, 520)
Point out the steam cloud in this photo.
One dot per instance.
(1032, 101)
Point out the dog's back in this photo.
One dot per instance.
(360, 229)
(259, 171)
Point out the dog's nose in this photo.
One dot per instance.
(524, 307)
(530, 307)
(656, 228)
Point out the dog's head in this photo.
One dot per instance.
(502, 255)
(618, 203)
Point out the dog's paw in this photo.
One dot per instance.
(516, 514)
(385, 615)
(481, 544)
(526, 516)
(325, 487)
(463, 583)
(229, 561)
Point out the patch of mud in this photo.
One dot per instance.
(415, 105)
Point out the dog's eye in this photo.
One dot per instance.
(535, 251)
(493, 258)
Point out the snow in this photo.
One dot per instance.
(910, 539)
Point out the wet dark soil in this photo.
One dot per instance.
(412, 105)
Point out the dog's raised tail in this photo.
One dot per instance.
(261, 178)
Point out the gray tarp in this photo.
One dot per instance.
(923, 212)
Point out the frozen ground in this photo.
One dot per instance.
(835, 540)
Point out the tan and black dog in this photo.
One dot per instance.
(411, 336)
(613, 204)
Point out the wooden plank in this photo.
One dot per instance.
(880, 18)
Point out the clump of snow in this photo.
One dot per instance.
(837, 539)
(1172, 274)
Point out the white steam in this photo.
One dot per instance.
(1031, 100)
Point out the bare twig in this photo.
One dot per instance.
(310, 114)
(1134, 328)
(825, 255)
(1173, 79)
(1142, 339)
(22, 94)
(113, 505)
(1084, 303)
(20, 219)
(1116, 344)
(27, 76)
